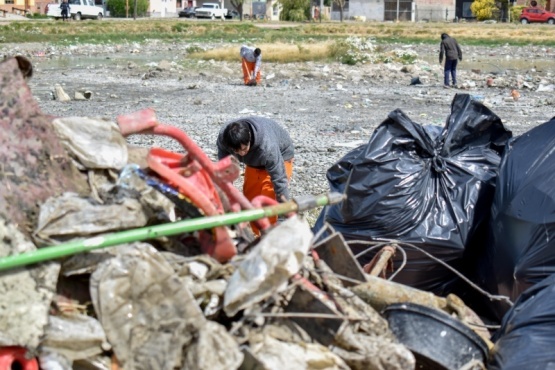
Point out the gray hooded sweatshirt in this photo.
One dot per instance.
(271, 145)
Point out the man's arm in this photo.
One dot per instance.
(441, 52)
(459, 51)
(257, 65)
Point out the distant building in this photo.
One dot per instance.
(464, 12)
(397, 10)
(22, 6)
(163, 8)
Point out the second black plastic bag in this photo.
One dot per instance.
(428, 186)
(526, 340)
(521, 251)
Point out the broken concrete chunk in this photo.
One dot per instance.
(25, 293)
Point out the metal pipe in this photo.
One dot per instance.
(169, 229)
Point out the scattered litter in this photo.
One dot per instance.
(546, 88)
(352, 144)
(415, 81)
(60, 94)
(166, 284)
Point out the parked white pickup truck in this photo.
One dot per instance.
(211, 10)
(78, 9)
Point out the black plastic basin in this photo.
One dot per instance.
(437, 340)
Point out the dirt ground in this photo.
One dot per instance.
(328, 108)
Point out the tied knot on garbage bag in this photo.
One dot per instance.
(438, 162)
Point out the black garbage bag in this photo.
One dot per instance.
(526, 338)
(521, 251)
(416, 185)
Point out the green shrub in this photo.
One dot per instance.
(117, 7)
(194, 49)
(515, 12)
(295, 10)
(36, 16)
(483, 9)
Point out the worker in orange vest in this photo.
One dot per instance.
(267, 150)
(251, 62)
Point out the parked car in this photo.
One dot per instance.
(529, 15)
(188, 12)
(232, 14)
(78, 9)
(211, 10)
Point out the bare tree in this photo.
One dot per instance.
(238, 5)
(341, 4)
(269, 9)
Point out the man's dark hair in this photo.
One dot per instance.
(257, 52)
(444, 36)
(236, 134)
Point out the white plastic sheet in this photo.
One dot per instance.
(267, 268)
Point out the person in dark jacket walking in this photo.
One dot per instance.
(65, 10)
(453, 54)
(266, 149)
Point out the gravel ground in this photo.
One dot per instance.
(327, 108)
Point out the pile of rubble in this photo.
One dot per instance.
(160, 287)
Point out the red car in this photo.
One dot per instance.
(530, 15)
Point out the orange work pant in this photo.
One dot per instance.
(248, 70)
(258, 182)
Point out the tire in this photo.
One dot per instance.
(77, 16)
(524, 21)
(100, 16)
(551, 21)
